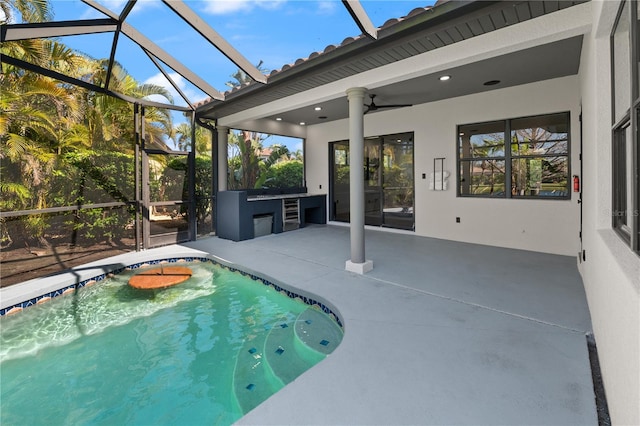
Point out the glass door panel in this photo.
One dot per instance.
(398, 181)
(340, 180)
(372, 182)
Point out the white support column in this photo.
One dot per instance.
(223, 144)
(357, 263)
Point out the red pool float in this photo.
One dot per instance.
(164, 276)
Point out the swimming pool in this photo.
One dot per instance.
(206, 351)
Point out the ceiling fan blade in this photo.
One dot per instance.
(394, 106)
(373, 107)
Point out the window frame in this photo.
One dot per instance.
(509, 157)
(628, 230)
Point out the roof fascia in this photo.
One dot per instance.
(14, 32)
(361, 18)
(191, 18)
(445, 12)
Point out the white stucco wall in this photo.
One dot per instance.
(611, 272)
(540, 225)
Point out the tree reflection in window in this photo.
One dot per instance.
(535, 165)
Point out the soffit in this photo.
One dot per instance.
(553, 60)
(421, 31)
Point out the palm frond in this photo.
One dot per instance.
(18, 190)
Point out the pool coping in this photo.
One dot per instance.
(15, 298)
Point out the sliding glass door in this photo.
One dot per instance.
(388, 181)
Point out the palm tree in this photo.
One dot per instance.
(297, 155)
(43, 118)
(240, 78)
(29, 10)
(248, 169)
(182, 137)
(110, 119)
(37, 111)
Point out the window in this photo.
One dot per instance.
(625, 114)
(262, 161)
(622, 168)
(535, 164)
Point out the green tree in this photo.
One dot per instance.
(36, 112)
(241, 78)
(248, 168)
(110, 119)
(285, 174)
(97, 177)
(182, 137)
(28, 10)
(244, 164)
(43, 120)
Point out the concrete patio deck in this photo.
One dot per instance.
(439, 332)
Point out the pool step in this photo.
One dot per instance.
(254, 381)
(287, 356)
(289, 348)
(316, 331)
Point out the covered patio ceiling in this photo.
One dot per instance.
(553, 60)
(423, 30)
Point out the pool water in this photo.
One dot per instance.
(204, 352)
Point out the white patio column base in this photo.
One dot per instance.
(359, 268)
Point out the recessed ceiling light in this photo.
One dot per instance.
(491, 82)
(302, 123)
(278, 118)
(445, 77)
(461, 133)
(318, 108)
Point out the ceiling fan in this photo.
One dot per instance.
(373, 107)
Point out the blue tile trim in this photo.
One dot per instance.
(307, 300)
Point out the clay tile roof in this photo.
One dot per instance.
(389, 23)
(350, 40)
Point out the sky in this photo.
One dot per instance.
(271, 32)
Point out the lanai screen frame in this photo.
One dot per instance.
(116, 23)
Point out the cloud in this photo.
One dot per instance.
(160, 80)
(226, 7)
(116, 7)
(327, 7)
